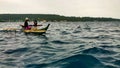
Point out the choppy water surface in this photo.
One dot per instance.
(65, 45)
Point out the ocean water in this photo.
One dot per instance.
(65, 45)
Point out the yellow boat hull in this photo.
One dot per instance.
(36, 31)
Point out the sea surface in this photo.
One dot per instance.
(65, 45)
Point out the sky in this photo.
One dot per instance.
(78, 8)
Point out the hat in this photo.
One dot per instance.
(35, 20)
(26, 18)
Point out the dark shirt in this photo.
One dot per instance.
(35, 23)
(26, 24)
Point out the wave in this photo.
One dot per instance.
(101, 31)
(35, 65)
(18, 50)
(117, 62)
(110, 66)
(77, 31)
(115, 31)
(2, 39)
(96, 50)
(112, 46)
(59, 42)
(67, 42)
(76, 61)
(64, 33)
(98, 37)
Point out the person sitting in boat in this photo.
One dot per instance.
(26, 26)
(35, 23)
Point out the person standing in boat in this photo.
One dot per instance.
(26, 26)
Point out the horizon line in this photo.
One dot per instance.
(65, 15)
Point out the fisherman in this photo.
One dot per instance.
(35, 23)
(26, 26)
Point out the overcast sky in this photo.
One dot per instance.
(92, 8)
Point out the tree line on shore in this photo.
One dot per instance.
(50, 17)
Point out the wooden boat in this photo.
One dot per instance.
(34, 30)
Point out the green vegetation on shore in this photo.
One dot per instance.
(49, 17)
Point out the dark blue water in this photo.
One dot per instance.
(65, 45)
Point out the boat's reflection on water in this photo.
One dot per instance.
(41, 36)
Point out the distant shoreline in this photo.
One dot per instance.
(51, 18)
